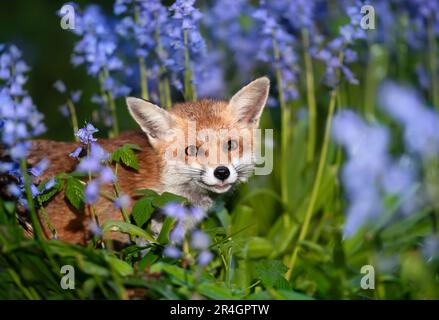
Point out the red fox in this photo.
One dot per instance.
(196, 175)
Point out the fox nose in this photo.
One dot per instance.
(221, 173)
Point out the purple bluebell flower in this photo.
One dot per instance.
(50, 184)
(277, 48)
(175, 210)
(75, 154)
(370, 172)
(64, 110)
(96, 49)
(19, 119)
(107, 175)
(86, 133)
(92, 192)
(172, 252)
(200, 240)
(39, 168)
(76, 96)
(94, 228)
(223, 22)
(178, 233)
(420, 123)
(430, 248)
(60, 86)
(122, 202)
(204, 258)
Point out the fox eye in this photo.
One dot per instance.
(191, 151)
(231, 145)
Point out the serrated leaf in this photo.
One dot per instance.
(75, 192)
(126, 155)
(129, 159)
(142, 210)
(271, 273)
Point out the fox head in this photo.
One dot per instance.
(206, 145)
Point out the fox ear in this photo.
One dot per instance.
(248, 103)
(154, 121)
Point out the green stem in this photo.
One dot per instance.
(319, 175)
(433, 56)
(117, 192)
(312, 106)
(164, 86)
(47, 220)
(316, 186)
(108, 97)
(37, 230)
(285, 127)
(73, 117)
(368, 92)
(189, 90)
(142, 65)
(143, 78)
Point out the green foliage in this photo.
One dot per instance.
(75, 192)
(126, 156)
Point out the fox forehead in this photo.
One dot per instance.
(206, 113)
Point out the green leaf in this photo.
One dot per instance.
(121, 226)
(126, 155)
(142, 210)
(167, 197)
(75, 192)
(49, 194)
(283, 294)
(258, 247)
(214, 291)
(123, 268)
(133, 146)
(166, 229)
(147, 192)
(271, 273)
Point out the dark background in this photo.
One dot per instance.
(34, 28)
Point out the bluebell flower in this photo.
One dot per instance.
(86, 133)
(96, 49)
(420, 123)
(39, 168)
(430, 248)
(223, 21)
(20, 120)
(50, 184)
(370, 172)
(178, 233)
(204, 258)
(60, 86)
(277, 47)
(94, 228)
(200, 240)
(64, 110)
(75, 96)
(172, 252)
(91, 192)
(107, 175)
(122, 202)
(175, 210)
(187, 220)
